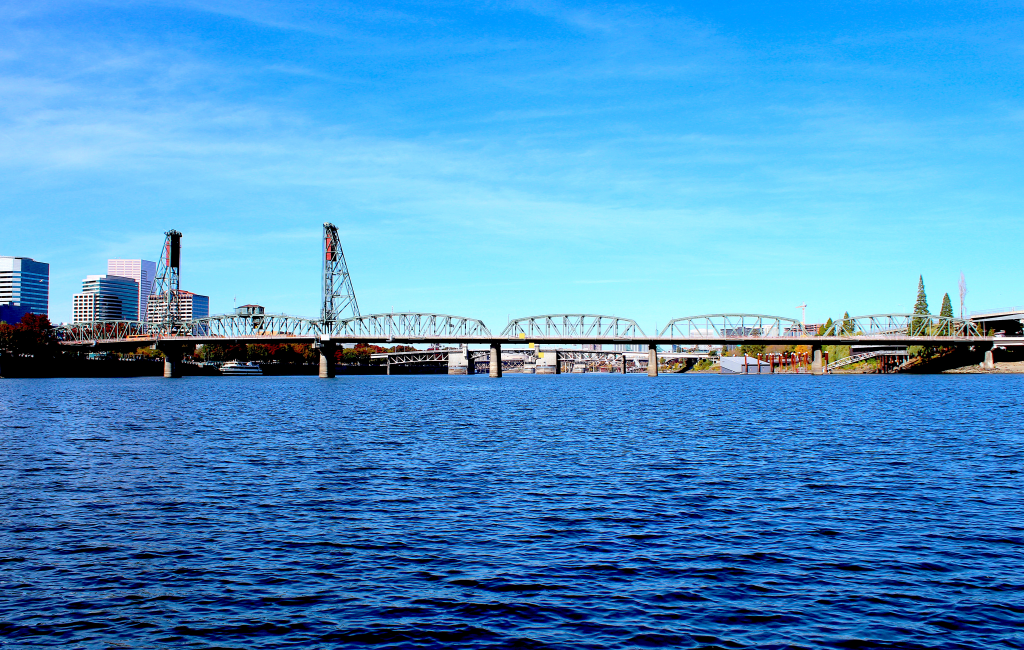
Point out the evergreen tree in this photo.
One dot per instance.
(824, 328)
(921, 306)
(946, 312)
(847, 323)
(947, 307)
(918, 325)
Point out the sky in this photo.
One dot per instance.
(504, 159)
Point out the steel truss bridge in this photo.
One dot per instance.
(172, 334)
(412, 328)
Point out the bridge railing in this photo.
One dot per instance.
(738, 326)
(884, 326)
(407, 325)
(572, 326)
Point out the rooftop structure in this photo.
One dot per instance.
(250, 310)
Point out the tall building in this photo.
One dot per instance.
(193, 306)
(142, 271)
(106, 297)
(24, 286)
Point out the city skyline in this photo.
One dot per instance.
(640, 161)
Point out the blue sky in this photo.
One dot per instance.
(494, 159)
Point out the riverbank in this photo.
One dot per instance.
(1002, 368)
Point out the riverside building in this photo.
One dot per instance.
(24, 288)
(143, 272)
(106, 297)
(193, 306)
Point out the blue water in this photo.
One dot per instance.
(527, 512)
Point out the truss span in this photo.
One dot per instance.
(105, 330)
(235, 326)
(572, 326)
(901, 326)
(732, 326)
(409, 326)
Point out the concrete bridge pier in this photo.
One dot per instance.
(816, 367)
(652, 360)
(326, 359)
(548, 363)
(990, 362)
(495, 360)
(460, 362)
(172, 359)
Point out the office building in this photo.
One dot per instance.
(192, 306)
(142, 271)
(24, 286)
(106, 297)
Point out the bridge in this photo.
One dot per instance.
(172, 335)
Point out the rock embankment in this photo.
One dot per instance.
(1002, 368)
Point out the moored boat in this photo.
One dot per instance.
(239, 368)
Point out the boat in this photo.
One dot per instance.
(239, 368)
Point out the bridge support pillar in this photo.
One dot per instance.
(326, 359)
(495, 360)
(990, 362)
(172, 360)
(548, 363)
(816, 367)
(652, 360)
(460, 362)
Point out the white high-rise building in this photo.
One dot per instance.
(192, 305)
(142, 271)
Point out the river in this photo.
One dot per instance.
(571, 511)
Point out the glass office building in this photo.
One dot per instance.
(142, 271)
(24, 285)
(106, 297)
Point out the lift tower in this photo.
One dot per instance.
(338, 294)
(167, 287)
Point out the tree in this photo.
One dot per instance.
(920, 309)
(6, 338)
(824, 328)
(752, 350)
(847, 323)
(34, 335)
(921, 306)
(947, 307)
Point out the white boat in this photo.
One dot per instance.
(239, 368)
